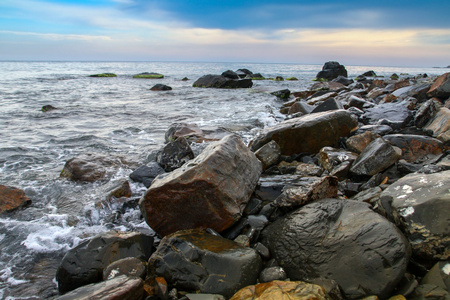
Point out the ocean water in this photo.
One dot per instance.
(116, 117)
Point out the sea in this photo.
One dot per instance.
(117, 116)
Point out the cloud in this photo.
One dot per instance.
(59, 37)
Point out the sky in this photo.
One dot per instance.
(379, 33)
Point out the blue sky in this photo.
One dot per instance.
(391, 33)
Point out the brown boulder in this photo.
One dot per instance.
(210, 191)
(12, 198)
(292, 290)
(359, 142)
(441, 87)
(309, 133)
(415, 148)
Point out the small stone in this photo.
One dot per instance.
(271, 274)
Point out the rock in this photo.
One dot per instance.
(375, 158)
(175, 154)
(441, 87)
(47, 108)
(370, 73)
(359, 142)
(331, 70)
(114, 190)
(210, 191)
(343, 240)
(184, 79)
(429, 291)
(308, 169)
(195, 134)
(242, 73)
(309, 133)
(84, 264)
(440, 125)
(12, 198)
(355, 101)
(160, 87)
(292, 290)
(301, 107)
(394, 76)
(147, 173)
(320, 97)
(283, 94)
(256, 76)
(327, 105)
(439, 275)
(157, 289)
(377, 129)
(343, 80)
(269, 154)
(331, 159)
(218, 81)
(376, 92)
(230, 74)
(90, 167)
(393, 112)
(426, 112)
(416, 148)
(192, 260)
(130, 266)
(331, 86)
(204, 297)
(272, 274)
(104, 75)
(292, 79)
(423, 200)
(147, 75)
(121, 287)
(306, 190)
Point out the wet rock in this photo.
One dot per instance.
(440, 125)
(418, 91)
(375, 158)
(343, 80)
(115, 190)
(377, 129)
(195, 134)
(426, 112)
(359, 142)
(308, 169)
(331, 70)
(309, 133)
(293, 290)
(283, 94)
(423, 200)
(393, 112)
(175, 154)
(329, 104)
(343, 240)
(91, 167)
(130, 266)
(204, 297)
(230, 74)
(84, 264)
(193, 260)
(439, 275)
(149, 75)
(272, 274)
(12, 198)
(121, 287)
(416, 148)
(330, 157)
(270, 187)
(441, 87)
(160, 87)
(218, 81)
(269, 154)
(47, 108)
(147, 173)
(210, 191)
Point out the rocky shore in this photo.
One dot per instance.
(347, 198)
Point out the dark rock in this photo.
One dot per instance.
(394, 76)
(300, 107)
(175, 154)
(242, 73)
(160, 87)
(375, 158)
(429, 292)
(308, 169)
(418, 91)
(416, 148)
(272, 274)
(84, 264)
(355, 101)
(376, 129)
(331, 159)
(331, 287)
(230, 74)
(283, 94)
(423, 202)
(439, 275)
(359, 142)
(47, 108)
(309, 133)
(147, 173)
(184, 79)
(121, 287)
(440, 125)
(343, 80)
(218, 81)
(370, 73)
(293, 290)
(270, 187)
(441, 87)
(130, 266)
(394, 112)
(104, 75)
(256, 76)
(192, 260)
(331, 70)
(327, 105)
(115, 190)
(210, 191)
(269, 154)
(343, 240)
(262, 250)
(12, 198)
(426, 112)
(320, 97)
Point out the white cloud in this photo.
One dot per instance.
(60, 37)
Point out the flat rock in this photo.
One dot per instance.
(423, 200)
(195, 134)
(309, 133)
(219, 81)
(329, 104)
(393, 112)
(210, 191)
(416, 148)
(12, 198)
(192, 260)
(147, 173)
(343, 240)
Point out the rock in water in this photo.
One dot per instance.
(219, 81)
(331, 70)
(193, 260)
(424, 203)
(343, 240)
(12, 198)
(309, 133)
(210, 191)
(84, 264)
(292, 290)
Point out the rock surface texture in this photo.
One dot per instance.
(12, 198)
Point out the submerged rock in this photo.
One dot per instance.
(210, 191)
(219, 81)
(104, 75)
(192, 260)
(160, 87)
(343, 240)
(12, 198)
(47, 108)
(147, 75)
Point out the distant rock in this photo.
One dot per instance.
(242, 73)
(104, 75)
(12, 198)
(147, 75)
(283, 94)
(230, 74)
(160, 87)
(219, 81)
(331, 70)
(47, 108)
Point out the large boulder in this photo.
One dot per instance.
(440, 87)
(342, 240)
(84, 264)
(309, 133)
(12, 198)
(219, 81)
(193, 260)
(331, 70)
(210, 191)
(423, 200)
(292, 290)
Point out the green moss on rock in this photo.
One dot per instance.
(104, 75)
(292, 78)
(147, 75)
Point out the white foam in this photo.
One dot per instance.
(407, 211)
(446, 269)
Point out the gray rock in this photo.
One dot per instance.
(416, 148)
(429, 292)
(269, 154)
(440, 125)
(271, 274)
(147, 173)
(283, 94)
(343, 240)
(230, 74)
(329, 104)
(392, 112)
(439, 275)
(193, 260)
(160, 87)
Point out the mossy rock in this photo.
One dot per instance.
(147, 75)
(258, 78)
(104, 75)
(47, 108)
(185, 79)
(320, 79)
(292, 78)
(279, 78)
